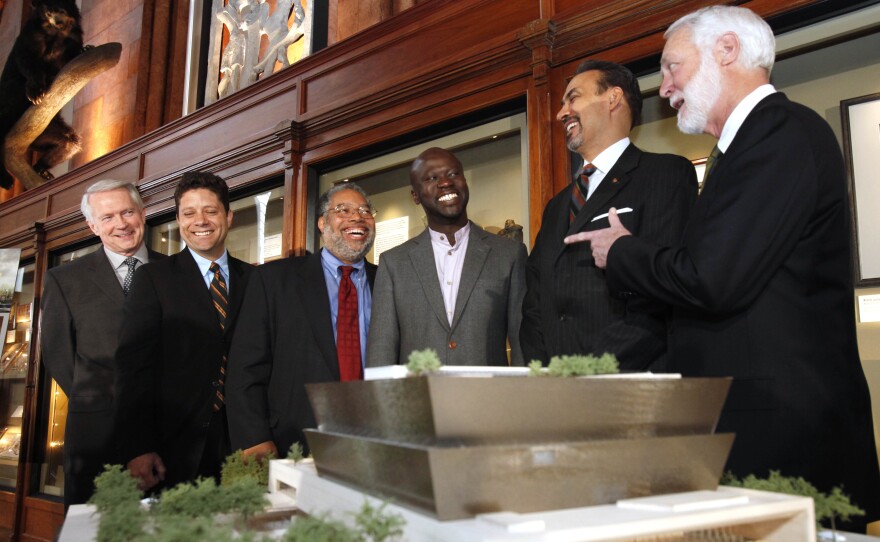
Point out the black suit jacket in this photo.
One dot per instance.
(81, 313)
(283, 341)
(168, 361)
(568, 308)
(763, 292)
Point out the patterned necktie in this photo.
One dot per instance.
(131, 262)
(711, 161)
(579, 190)
(348, 336)
(220, 297)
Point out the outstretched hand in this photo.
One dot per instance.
(601, 240)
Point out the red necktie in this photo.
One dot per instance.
(579, 190)
(348, 336)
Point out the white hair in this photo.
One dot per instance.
(757, 42)
(106, 186)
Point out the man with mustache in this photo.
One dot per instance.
(455, 288)
(568, 308)
(304, 319)
(761, 280)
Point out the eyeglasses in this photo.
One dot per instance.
(347, 211)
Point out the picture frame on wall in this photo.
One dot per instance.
(860, 120)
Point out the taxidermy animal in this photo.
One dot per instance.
(49, 39)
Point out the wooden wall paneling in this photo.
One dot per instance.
(7, 514)
(20, 217)
(538, 36)
(444, 43)
(42, 520)
(236, 122)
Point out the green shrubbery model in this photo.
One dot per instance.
(195, 511)
(576, 366)
(828, 506)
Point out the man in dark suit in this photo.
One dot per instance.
(568, 308)
(303, 319)
(81, 315)
(179, 319)
(454, 288)
(761, 281)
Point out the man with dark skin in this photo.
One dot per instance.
(454, 288)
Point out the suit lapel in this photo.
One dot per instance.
(237, 286)
(474, 260)
(600, 201)
(613, 182)
(314, 293)
(422, 258)
(104, 277)
(190, 279)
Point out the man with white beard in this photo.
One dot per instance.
(761, 282)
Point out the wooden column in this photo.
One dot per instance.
(538, 37)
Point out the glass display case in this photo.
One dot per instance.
(51, 435)
(255, 235)
(13, 372)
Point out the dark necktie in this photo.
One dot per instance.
(711, 161)
(580, 189)
(131, 262)
(220, 297)
(348, 336)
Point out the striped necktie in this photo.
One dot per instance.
(579, 190)
(220, 297)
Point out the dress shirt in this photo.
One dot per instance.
(332, 276)
(450, 260)
(739, 114)
(604, 162)
(118, 261)
(205, 268)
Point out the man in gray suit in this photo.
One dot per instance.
(81, 316)
(454, 288)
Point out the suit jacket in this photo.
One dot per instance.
(168, 361)
(568, 308)
(409, 313)
(763, 292)
(79, 328)
(284, 340)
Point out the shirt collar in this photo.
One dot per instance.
(205, 264)
(739, 114)
(606, 159)
(462, 233)
(332, 263)
(117, 260)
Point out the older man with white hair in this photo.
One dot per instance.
(761, 283)
(81, 316)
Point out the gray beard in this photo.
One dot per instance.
(339, 248)
(700, 97)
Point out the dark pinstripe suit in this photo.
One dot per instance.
(568, 308)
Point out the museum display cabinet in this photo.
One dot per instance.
(482, 77)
